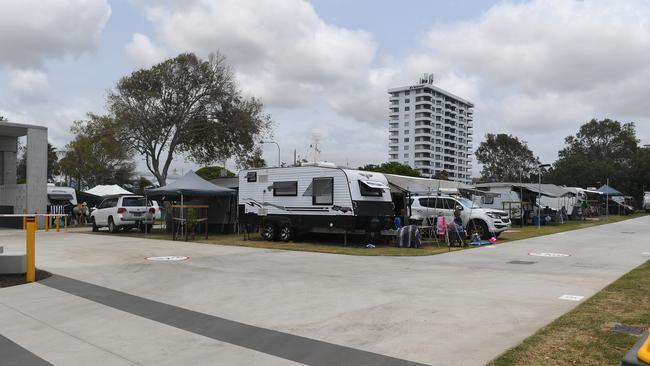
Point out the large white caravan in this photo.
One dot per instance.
(314, 198)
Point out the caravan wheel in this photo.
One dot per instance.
(286, 232)
(268, 231)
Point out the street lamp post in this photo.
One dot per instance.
(539, 194)
(276, 144)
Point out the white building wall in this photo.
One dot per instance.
(431, 130)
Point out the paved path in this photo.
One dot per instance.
(243, 306)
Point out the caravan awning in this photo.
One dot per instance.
(374, 184)
(548, 190)
(425, 186)
(59, 196)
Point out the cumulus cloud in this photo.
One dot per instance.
(143, 53)
(29, 86)
(32, 31)
(282, 50)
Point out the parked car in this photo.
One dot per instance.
(124, 212)
(476, 219)
(646, 202)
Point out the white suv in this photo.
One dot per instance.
(483, 221)
(124, 212)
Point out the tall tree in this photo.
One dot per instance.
(600, 150)
(391, 168)
(95, 156)
(188, 106)
(505, 158)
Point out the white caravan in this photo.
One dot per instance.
(314, 198)
(61, 195)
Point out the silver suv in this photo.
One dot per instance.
(476, 219)
(124, 212)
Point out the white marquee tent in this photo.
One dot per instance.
(107, 190)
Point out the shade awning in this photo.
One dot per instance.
(548, 190)
(191, 185)
(107, 190)
(417, 185)
(374, 184)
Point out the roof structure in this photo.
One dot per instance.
(108, 190)
(191, 185)
(605, 189)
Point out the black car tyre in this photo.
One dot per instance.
(478, 227)
(286, 232)
(111, 226)
(95, 227)
(269, 231)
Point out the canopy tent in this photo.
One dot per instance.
(107, 190)
(548, 190)
(190, 185)
(422, 186)
(605, 189)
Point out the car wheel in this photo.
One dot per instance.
(268, 231)
(95, 227)
(480, 228)
(286, 232)
(111, 226)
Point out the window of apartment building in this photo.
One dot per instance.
(406, 116)
(406, 132)
(406, 124)
(406, 139)
(406, 156)
(407, 93)
(406, 147)
(407, 108)
(407, 100)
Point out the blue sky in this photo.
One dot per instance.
(537, 69)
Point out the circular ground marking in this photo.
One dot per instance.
(168, 258)
(553, 255)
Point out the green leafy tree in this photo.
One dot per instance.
(188, 106)
(600, 150)
(505, 158)
(95, 156)
(212, 172)
(391, 168)
(443, 174)
(141, 184)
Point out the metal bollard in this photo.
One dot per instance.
(30, 247)
(24, 213)
(58, 223)
(65, 224)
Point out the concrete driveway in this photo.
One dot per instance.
(225, 305)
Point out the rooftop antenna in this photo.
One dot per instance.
(316, 137)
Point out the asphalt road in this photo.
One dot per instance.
(108, 305)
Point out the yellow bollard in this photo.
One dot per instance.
(24, 213)
(65, 223)
(58, 223)
(30, 236)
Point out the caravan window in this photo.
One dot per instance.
(367, 190)
(285, 188)
(323, 191)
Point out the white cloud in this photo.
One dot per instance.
(28, 86)
(32, 31)
(142, 52)
(282, 51)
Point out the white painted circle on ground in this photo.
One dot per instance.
(571, 297)
(168, 258)
(553, 255)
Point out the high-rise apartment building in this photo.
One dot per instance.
(430, 130)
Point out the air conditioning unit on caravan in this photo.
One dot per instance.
(285, 202)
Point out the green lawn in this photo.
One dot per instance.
(582, 336)
(327, 243)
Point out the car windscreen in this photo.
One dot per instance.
(467, 203)
(134, 202)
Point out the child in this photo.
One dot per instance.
(441, 226)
